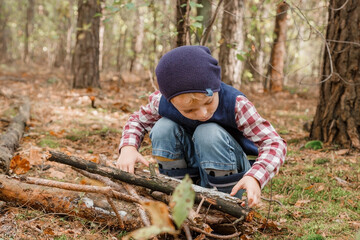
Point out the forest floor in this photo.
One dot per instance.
(317, 192)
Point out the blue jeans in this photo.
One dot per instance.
(210, 146)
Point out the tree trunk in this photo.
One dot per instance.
(69, 32)
(337, 118)
(275, 76)
(4, 16)
(137, 43)
(101, 40)
(28, 26)
(232, 42)
(85, 63)
(180, 22)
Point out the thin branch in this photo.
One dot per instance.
(215, 235)
(121, 223)
(200, 205)
(142, 212)
(209, 27)
(337, 9)
(272, 200)
(79, 188)
(118, 187)
(187, 232)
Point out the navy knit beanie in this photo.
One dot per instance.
(188, 69)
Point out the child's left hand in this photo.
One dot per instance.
(253, 190)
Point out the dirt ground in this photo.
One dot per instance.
(88, 123)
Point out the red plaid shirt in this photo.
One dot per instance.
(272, 148)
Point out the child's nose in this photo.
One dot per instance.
(203, 112)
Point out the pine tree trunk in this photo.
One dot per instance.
(275, 76)
(232, 39)
(85, 63)
(337, 118)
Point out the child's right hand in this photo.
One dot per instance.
(128, 157)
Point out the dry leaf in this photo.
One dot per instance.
(19, 165)
(301, 203)
(35, 156)
(49, 231)
(159, 213)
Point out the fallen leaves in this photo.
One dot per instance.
(301, 203)
(19, 165)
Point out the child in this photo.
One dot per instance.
(203, 127)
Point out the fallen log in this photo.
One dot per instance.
(9, 141)
(93, 207)
(220, 201)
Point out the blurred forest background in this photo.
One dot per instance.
(133, 35)
(86, 65)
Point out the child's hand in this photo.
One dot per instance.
(128, 157)
(253, 190)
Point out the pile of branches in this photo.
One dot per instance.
(120, 198)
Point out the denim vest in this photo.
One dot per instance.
(224, 116)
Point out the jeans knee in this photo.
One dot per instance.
(208, 134)
(164, 129)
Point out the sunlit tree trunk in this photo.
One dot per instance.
(85, 63)
(69, 32)
(275, 76)
(232, 42)
(28, 26)
(137, 44)
(3, 33)
(120, 50)
(337, 118)
(101, 39)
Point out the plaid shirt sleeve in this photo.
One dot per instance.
(272, 148)
(141, 122)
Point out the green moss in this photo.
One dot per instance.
(48, 141)
(321, 160)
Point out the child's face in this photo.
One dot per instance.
(196, 106)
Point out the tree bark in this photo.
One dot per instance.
(28, 24)
(4, 16)
(137, 43)
(221, 201)
(90, 206)
(275, 76)
(181, 22)
(232, 42)
(9, 141)
(337, 117)
(85, 63)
